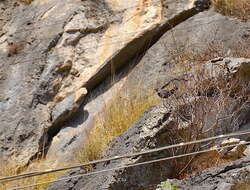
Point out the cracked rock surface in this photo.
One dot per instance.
(150, 131)
(51, 49)
(165, 124)
(230, 176)
(31, 73)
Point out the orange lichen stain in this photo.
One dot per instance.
(109, 44)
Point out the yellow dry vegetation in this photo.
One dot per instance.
(238, 8)
(9, 169)
(114, 120)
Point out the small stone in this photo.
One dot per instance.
(232, 152)
(82, 171)
(230, 141)
(68, 105)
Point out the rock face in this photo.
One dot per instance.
(197, 34)
(64, 109)
(25, 39)
(230, 176)
(51, 49)
(63, 61)
(150, 131)
(175, 120)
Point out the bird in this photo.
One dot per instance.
(201, 5)
(165, 93)
(162, 93)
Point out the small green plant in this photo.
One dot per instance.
(169, 185)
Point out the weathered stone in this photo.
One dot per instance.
(66, 66)
(224, 66)
(150, 131)
(135, 39)
(64, 109)
(24, 127)
(173, 14)
(247, 151)
(157, 127)
(230, 141)
(234, 152)
(230, 176)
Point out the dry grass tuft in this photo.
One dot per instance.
(238, 8)
(202, 162)
(222, 91)
(114, 120)
(207, 116)
(9, 169)
(186, 59)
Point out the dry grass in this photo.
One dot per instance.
(238, 8)
(225, 92)
(208, 116)
(114, 120)
(184, 59)
(202, 162)
(242, 185)
(9, 169)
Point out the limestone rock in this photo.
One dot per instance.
(150, 131)
(64, 109)
(247, 151)
(233, 152)
(158, 126)
(94, 39)
(140, 28)
(24, 123)
(230, 176)
(156, 68)
(223, 66)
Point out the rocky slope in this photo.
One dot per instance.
(63, 62)
(136, 138)
(231, 176)
(168, 123)
(51, 49)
